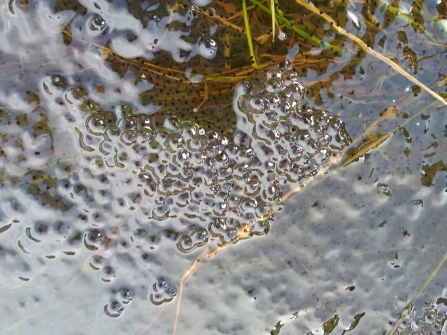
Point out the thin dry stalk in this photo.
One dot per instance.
(368, 50)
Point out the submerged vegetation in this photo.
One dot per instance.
(143, 124)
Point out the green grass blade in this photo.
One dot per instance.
(254, 63)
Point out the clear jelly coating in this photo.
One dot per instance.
(134, 182)
(206, 186)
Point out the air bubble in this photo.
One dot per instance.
(298, 91)
(257, 103)
(289, 77)
(273, 85)
(93, 239)
(201, 3)
(97, 24)
(208, 48)
(154, 19)
(211, 11)
(97, 262)
(162, 292)
(198, 78)
(274, 73)
(282, 36)
(125, 296)
(114, 309)
(54, 83)
(195, 239)
(441, 26)
(108, 274)
(75, 93)
(272, 101)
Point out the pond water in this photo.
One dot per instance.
(164, 170)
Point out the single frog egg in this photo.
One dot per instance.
(208, 48)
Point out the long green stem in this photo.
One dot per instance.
(254, 63)
(272, 6)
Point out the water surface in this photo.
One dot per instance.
(107, 108)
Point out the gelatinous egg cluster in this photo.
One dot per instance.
(291, 139)
(216, 185)
(135, 182)
(430, 322)
(116, 306)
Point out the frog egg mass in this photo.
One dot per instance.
(206, 186)
(133, 182)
